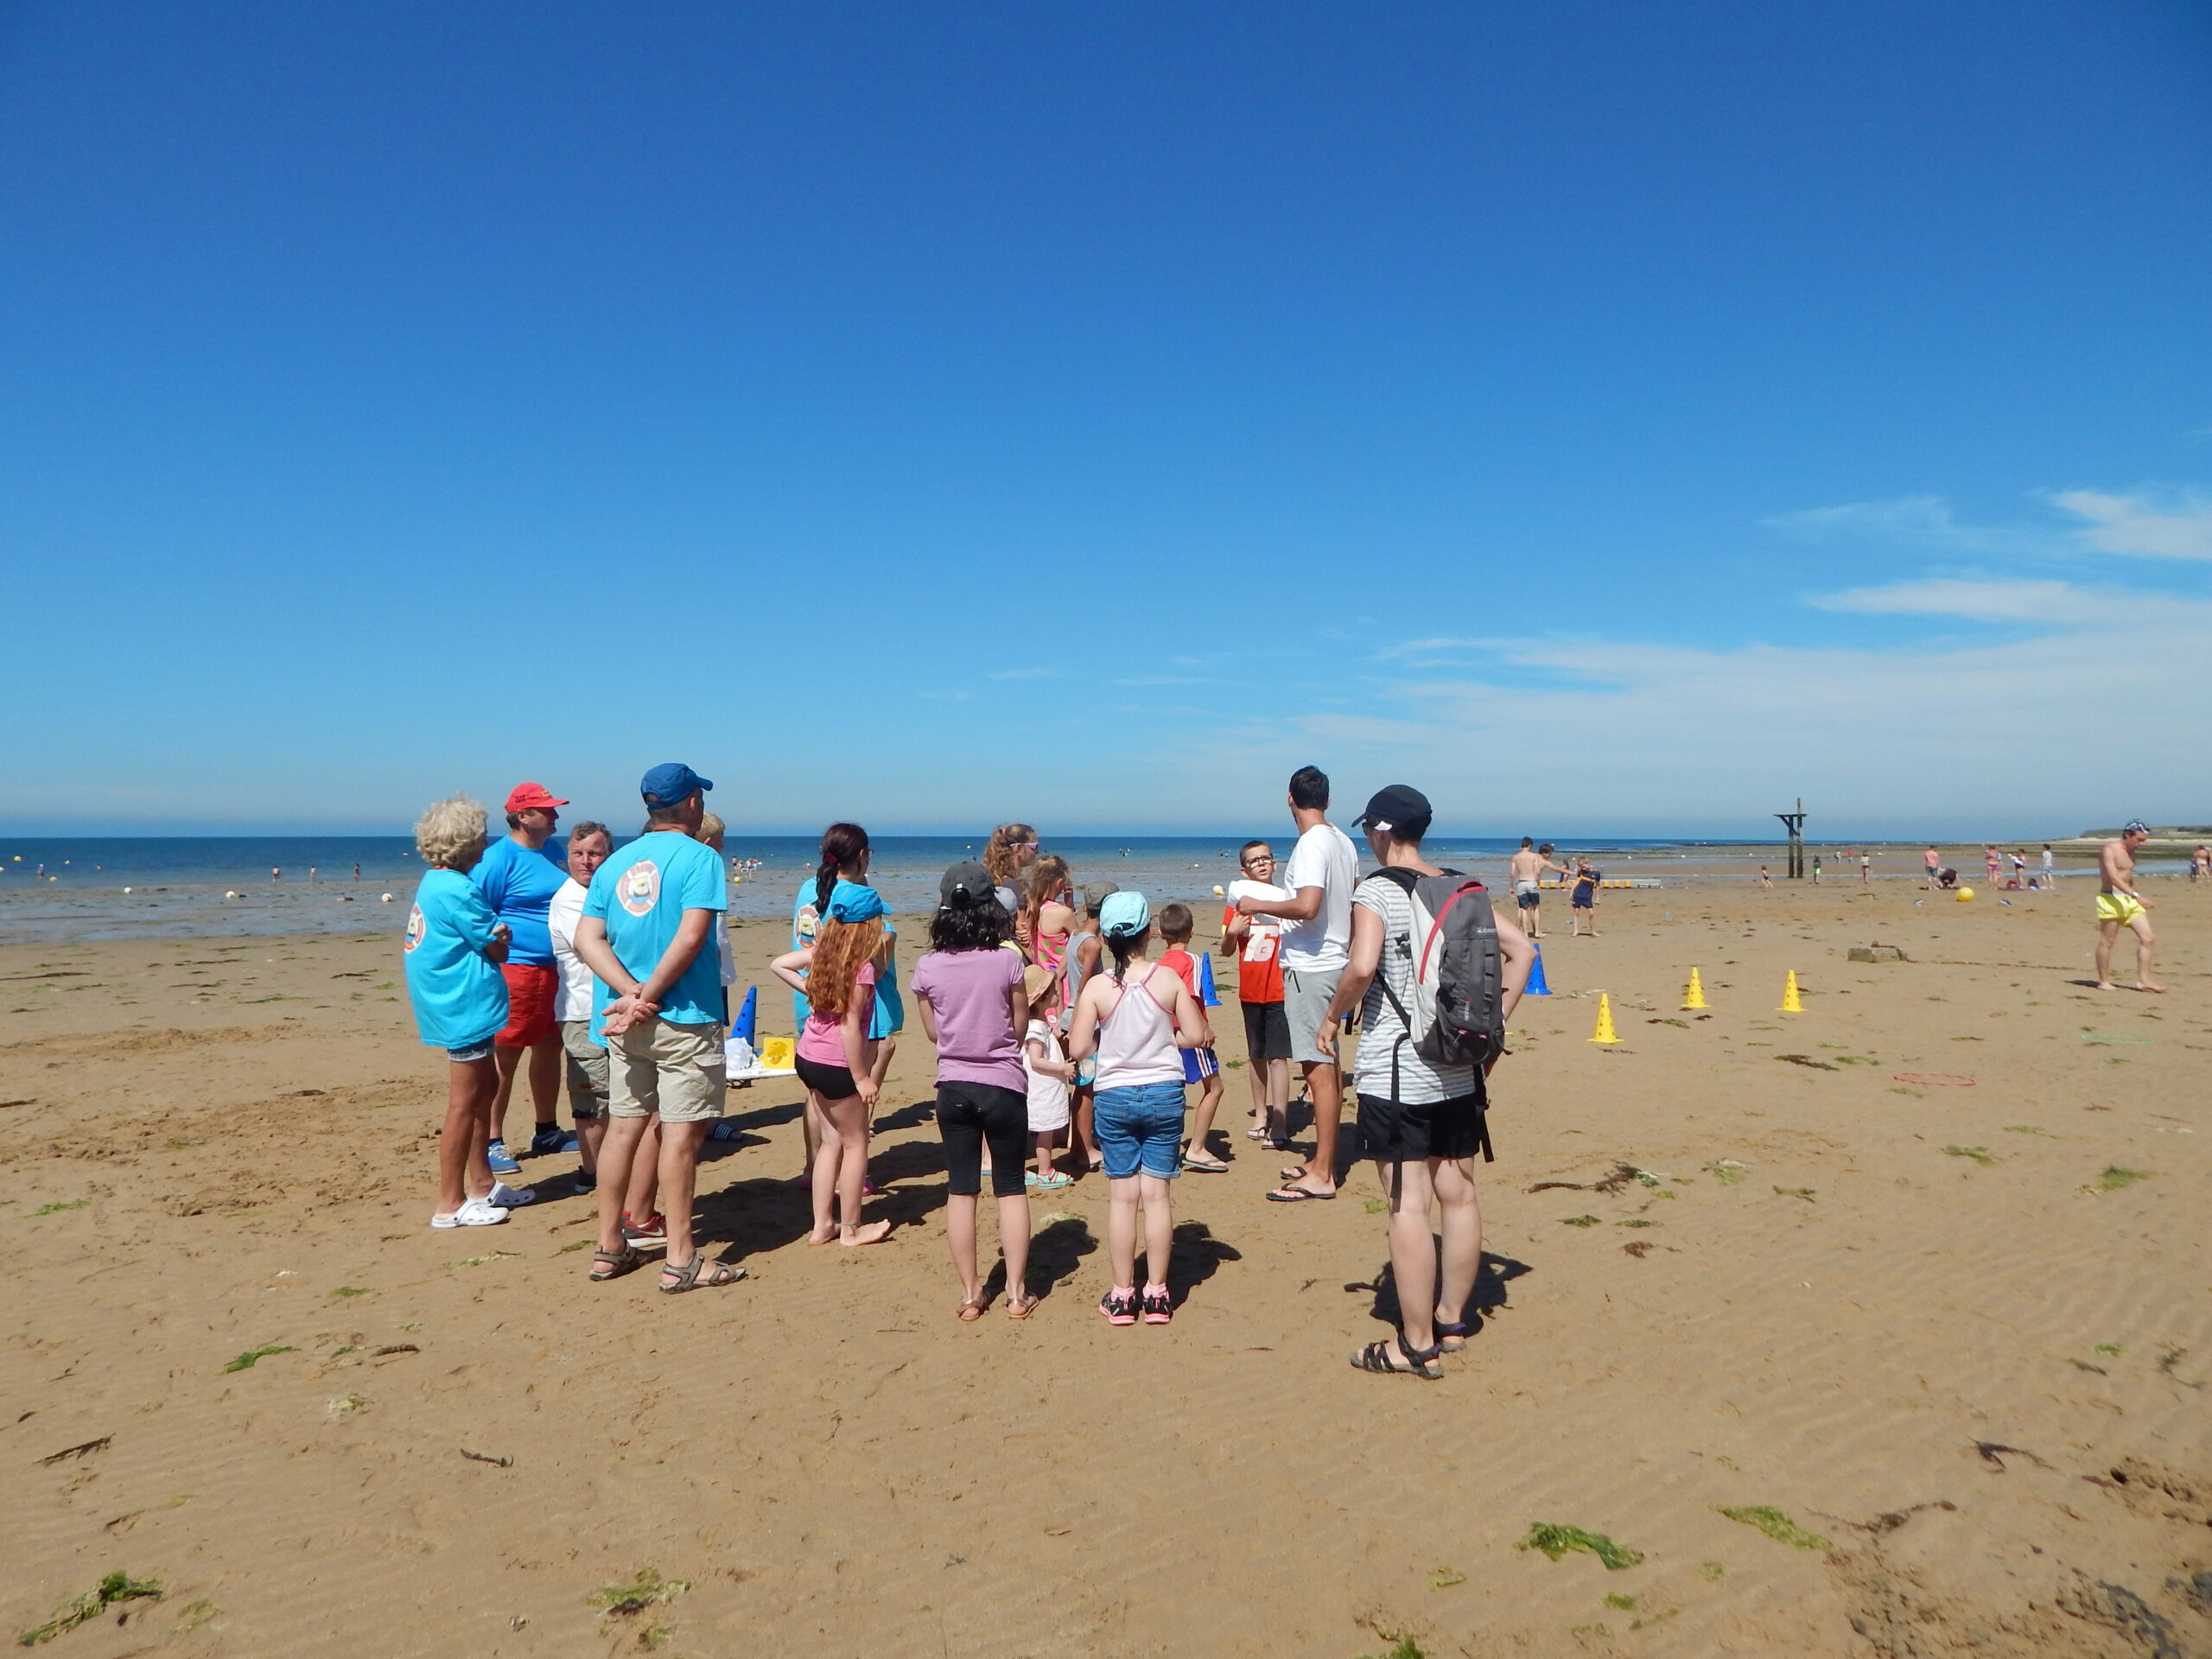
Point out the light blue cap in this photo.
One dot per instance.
(853, 903)
(1124, 913)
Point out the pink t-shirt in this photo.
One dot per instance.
(976, 1038)
(823, 1040)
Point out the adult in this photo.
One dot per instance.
(2120, 905)
(518, 877)
(1526, 871)
(1315, 947)
(2050, 873)
(644, 933)
(589, 846)
(975, 1009)
(1422, 1122)
(1007, 855)
(1934, 862)
(453, 947)
(1990, 860)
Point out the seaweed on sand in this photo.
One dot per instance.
(1776, 1525)
(1556, 1540)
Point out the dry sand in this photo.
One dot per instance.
(232, 1142)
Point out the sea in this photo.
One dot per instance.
(209, 886)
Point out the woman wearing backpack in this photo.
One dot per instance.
(1419, 1121)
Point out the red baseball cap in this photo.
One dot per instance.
(523, 798)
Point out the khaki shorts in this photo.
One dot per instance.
(587, 1065)
(675, 1071)
(1305, 999)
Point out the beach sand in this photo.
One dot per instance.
(1978, 1374)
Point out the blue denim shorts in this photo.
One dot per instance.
(1140, 1129)
(470, 1052)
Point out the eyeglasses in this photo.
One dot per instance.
(1265, 858)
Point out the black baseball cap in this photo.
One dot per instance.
(1401, 807)
(964, 884)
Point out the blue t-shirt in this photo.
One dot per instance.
(518, 882)
(641, 893)
(890, 1015)
(459, 995)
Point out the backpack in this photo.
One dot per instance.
(1458, 1016)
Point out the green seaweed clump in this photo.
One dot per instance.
(1776, 1526)
(1577, 1221)
(1406, 1648)
(2114, 1177)
(1981, 1154)
(245, 1361)
(111, 1591)
(56, 1209)
(1556, 1540)
(1804, 1192)
(641, 1592)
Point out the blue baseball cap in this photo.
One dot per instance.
(670, 782)
(854, 903)
(1124, 913)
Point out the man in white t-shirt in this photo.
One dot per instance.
(1316, 945)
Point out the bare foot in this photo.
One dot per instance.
(2106, 985)
(873, 1233)
(2146, 985)
(822, 1235)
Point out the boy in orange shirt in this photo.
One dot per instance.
(1199, 1064)
(1257, 941)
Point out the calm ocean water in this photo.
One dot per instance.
(203, 885)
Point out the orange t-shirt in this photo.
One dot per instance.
(1259, 967)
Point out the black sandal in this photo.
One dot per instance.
(1376, 1357)
(628, 1259)
(1453, 1339)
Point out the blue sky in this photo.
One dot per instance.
(1606, 417)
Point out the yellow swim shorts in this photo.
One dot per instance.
(2118, 907)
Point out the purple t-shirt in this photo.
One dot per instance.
(976, 1038)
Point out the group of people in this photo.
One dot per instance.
(1059, 1018)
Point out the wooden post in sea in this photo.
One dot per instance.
(1795, 823)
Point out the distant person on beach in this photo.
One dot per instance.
(1085, 951)
(2120, 905)
(2049, 874)
(1816, 869)
(1990, 862)
(835, 1060)
(585, 1060)
(1315, 942)
(1526, 871)
(1134, 1017)
(1582, 903)
(2200, 861)
(276, 872)
(646, 934)
(1007, 855)
(1932, 859)
(973, 1006)
(1201, 1066)
(453, 947)
(2019, 868)
(518, 878)
(1765, 880)
(357, 872)
(1257, 942)
(1421, 1121)
(1865, 868)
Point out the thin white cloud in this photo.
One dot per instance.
(1919, 520)
(1023, 674)
(2058, 602)
(2133, 525)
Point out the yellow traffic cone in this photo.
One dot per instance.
(1605, 1020)
(1695, 997)
(1790, 1004)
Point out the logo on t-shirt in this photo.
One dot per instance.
(415, 928)
(639, 890)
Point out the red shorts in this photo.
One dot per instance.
(529, 1004)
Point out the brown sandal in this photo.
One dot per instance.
(1020, 1307)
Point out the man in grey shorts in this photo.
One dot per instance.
(1316, 946)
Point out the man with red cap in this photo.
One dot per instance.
(518, 877)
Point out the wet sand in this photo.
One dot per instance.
(1886, 1272)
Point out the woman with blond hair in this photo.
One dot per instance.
(836, 1059)
(453, 948)
(1007, 855)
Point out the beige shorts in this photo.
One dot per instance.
(587, 1066)
(675, 1071)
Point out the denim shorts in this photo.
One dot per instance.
(1140, 1129)
(469, 1053)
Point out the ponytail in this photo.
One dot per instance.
(841, 846)
(1123, 946)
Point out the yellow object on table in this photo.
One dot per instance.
(777, 1052)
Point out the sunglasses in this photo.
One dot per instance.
(1265, 858)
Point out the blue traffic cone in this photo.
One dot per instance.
(745, 1016)
(1536, 986)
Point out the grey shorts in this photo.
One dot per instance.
(678, 1072)
(1528, 894)
(1306, 998)
(587, 1066)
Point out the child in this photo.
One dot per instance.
(1049, 1072)
(1765, 881)
(1134, 1019)
(836, 1057)
(1257, 942)
(975, 1010)
(1200, 1065)
(453, 948)
(1083, 954)
(1047, 919)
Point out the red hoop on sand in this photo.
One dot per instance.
(1934, 1079)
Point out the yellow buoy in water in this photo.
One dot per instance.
(1965, 895)
(1605, 1033)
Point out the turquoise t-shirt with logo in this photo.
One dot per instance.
(459, 993)
(641, 893)
(890, 1015)
(518, 882)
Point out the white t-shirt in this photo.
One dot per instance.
(1323, 858)
(573, 999)
(1048, 1095)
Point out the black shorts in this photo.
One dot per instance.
(830, 1082)
(1582, 900)
(969, 1113)
(1267, 1032)
(1391, 1132)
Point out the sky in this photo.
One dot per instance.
(1607, 418)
